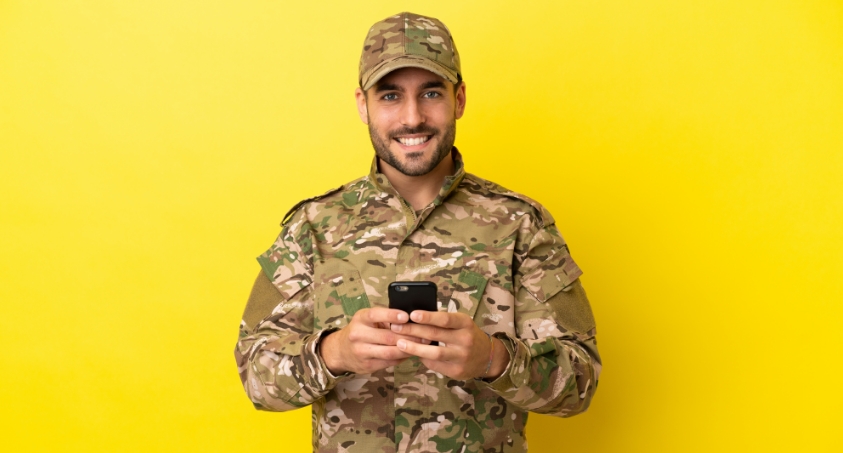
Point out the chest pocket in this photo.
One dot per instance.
(339, 295)
(468, 289)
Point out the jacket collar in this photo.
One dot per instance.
(380, 180)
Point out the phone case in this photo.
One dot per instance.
(409, 296)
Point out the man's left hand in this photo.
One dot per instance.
(463, 351)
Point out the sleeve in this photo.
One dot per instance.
(277, 351)
(554, 364)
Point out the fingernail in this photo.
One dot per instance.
(403, 317)
(417, 316)
(397, 327)
(402, 344)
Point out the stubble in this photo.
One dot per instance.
(415, 164)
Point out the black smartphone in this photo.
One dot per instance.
(409, 296)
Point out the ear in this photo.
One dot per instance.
(460, 101)
(362, 108)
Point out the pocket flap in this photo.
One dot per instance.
(468, 289)
(554, 274)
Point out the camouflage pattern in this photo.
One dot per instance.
(408, 40)
(493, 254)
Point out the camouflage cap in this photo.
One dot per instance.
(408, 40)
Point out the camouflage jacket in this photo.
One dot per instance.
(493, 254)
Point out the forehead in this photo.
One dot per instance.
(410, 78)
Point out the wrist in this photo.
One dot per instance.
(327, 351)
(499, 360)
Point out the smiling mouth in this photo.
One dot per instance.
(413, 141)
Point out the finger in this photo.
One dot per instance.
(432, 333)
(441, 319)
(416, 340)
(371, 335)
(372, 316)
(379, 352)
(411, 338)
(406, 334)
(423, 351)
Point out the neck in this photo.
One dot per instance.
(419, 191)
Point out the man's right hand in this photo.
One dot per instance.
(366, 344)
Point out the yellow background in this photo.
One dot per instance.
(691, 152)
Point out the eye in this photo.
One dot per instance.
(431, 95)
(389, 97)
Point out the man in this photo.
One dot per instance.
(514, 329)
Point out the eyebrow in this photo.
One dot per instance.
(381, 87)
(433, 84)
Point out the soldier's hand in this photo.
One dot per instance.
(463, 351)
(366, 344)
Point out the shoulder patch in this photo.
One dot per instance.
(543, 217)
(296, 207)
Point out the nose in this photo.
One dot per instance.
(411, 113)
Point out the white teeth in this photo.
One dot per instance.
(413, 141)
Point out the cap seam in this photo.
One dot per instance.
(404, 38)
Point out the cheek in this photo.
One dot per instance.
(442, 112)
(382, 121)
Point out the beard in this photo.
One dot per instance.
(415, 164)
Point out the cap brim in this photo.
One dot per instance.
(407, 61)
